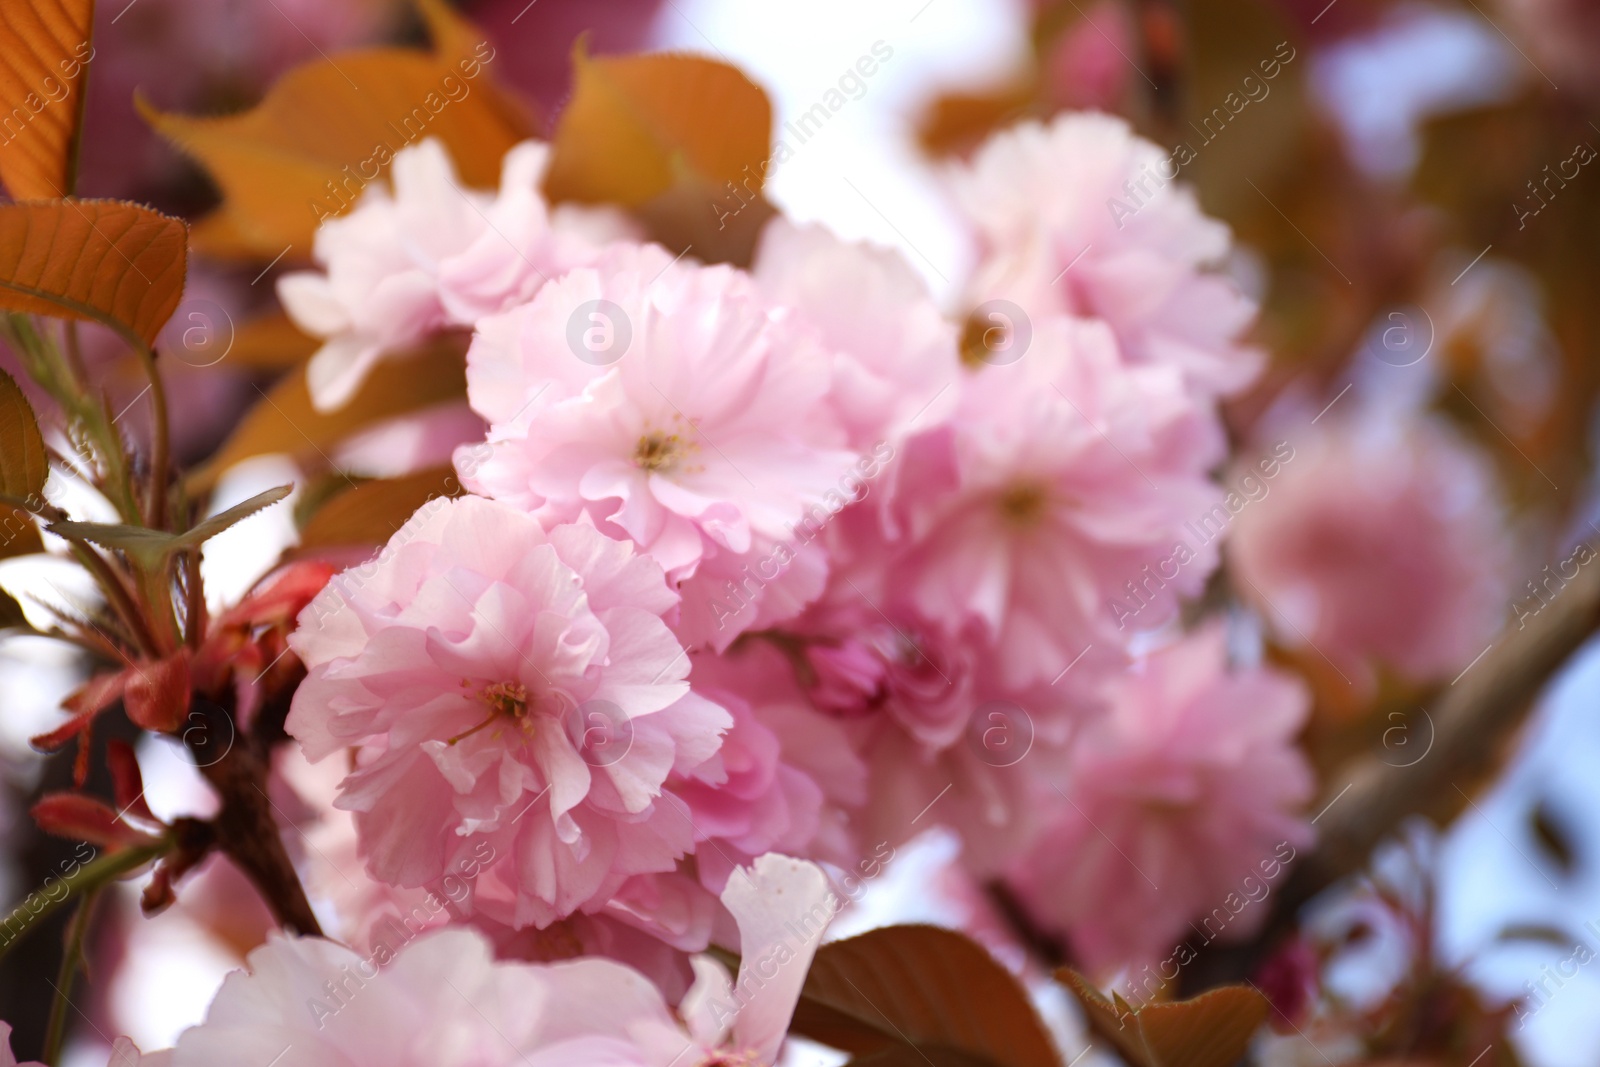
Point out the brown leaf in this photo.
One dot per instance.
(157, 696)
(371, 512)
(12, 616)
(284, 421)
(24, 465)
(923, 989)
(272, 342)
(1211, 1030)
(44, 47)
(105, 261)
(667, 135)
(329, 128)
(19, 536)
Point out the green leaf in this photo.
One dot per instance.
(204, 531)
(1211, 1030)
(907, 994)
(150, 547)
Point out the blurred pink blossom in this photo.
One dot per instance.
(1169, 803)
(332, 1004)
(1379, 544)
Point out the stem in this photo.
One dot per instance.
(245, 827)
(56, 1029)
(92, 875)
(194, 590)
(159, 444)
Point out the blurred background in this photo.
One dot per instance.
(1415, 210)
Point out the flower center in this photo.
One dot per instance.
(658, 452)
(505, 700)
(1023, 505)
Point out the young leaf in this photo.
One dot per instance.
(924, 990)
(285, 421)
(105, 261)
(150, 547)
(205, 530)
(371, 512)
(329, 128)
(157, 694)
(1211, 1030)
(44, 46)
(24, 465)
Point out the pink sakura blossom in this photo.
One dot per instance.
(894, 353)
(1174, 802)
(332, 1005)
(1083, 217)
(1061, 478)
(429, 255)
(700, 429)
(1379, 543)
(508, 685)
(945, 742)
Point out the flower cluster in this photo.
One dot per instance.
(789, 560)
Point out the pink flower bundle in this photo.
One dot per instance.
(790, 560)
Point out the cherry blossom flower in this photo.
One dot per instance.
(1178, 803)
(333, 1005)
(895, 354)
(428, 255)
(469, 665)
(1062, 480)
(1081, 216)
(1380, 543)
(703, 437)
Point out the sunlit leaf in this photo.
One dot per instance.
(920, 989)
(44, 49)
(371, 512)
(285, 422)
(105, 261)
(683, 140)
(329, 128)
(1211, 1030)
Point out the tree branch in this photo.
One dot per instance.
(1471, 723)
